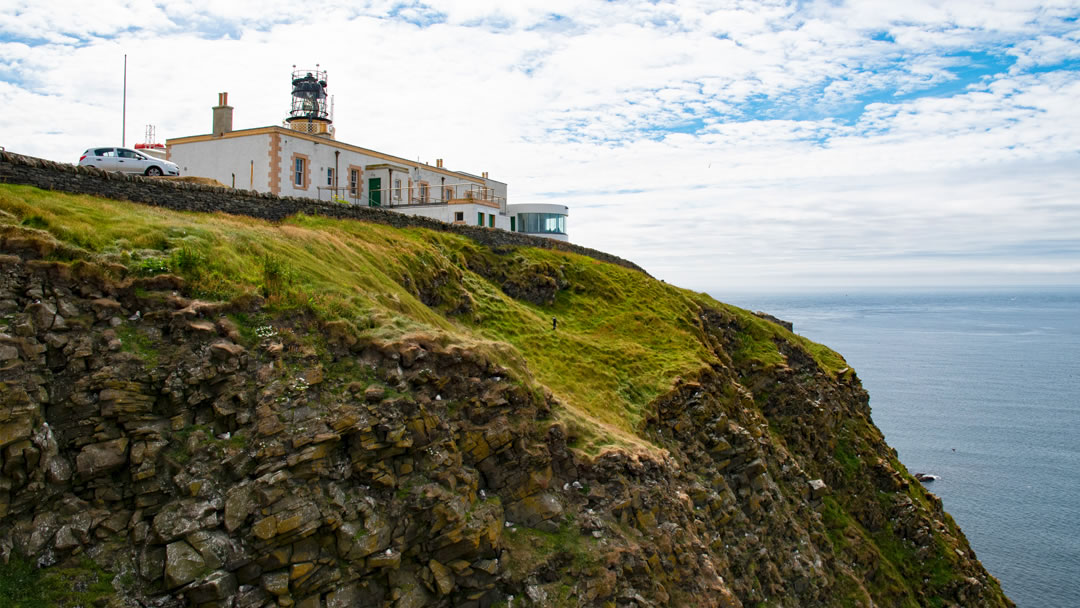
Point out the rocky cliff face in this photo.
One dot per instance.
(159, 450)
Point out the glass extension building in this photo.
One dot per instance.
(539, 219)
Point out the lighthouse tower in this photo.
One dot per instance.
(310, 113)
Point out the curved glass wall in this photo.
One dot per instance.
(541, 223)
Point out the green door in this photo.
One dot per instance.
(513, 224)
(374, 185)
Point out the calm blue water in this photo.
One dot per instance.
(982, 389)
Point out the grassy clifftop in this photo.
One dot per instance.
(622, 337)
(219, 410)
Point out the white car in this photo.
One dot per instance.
(126, 160)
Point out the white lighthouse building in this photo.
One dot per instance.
(301, 157)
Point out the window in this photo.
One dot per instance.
(542, 223)
(479, 218)
(329, 176)
(299, 173)
(491, 220)
(448, 194)
(125, 153)
(105, 152)
(459, 216)
(423, 192)
(354, 182)
(397, 189)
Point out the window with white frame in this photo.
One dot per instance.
(354, 182)
(298, 173)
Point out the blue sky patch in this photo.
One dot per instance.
(418, 14)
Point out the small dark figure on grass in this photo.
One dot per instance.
(554, 323)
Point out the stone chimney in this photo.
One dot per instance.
(222, 115)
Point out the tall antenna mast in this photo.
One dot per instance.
(123, 117)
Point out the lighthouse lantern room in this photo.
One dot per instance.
(311, 112)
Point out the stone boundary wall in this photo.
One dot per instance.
(182, 196)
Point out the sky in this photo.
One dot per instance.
(723, 146)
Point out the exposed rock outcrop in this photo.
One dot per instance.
(201, 462)
(161, 450)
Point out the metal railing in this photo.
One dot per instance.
(443, 194)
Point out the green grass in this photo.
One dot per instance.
(138, 343)
(22, 585)
(531, 547)
(622, 339)
(757, 343)
(847, 458)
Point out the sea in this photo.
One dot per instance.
(982, 389)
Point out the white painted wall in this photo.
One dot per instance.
(320, 157)
(220, 158)
(224, 157)
(445, 213)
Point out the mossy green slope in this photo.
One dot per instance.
(624, 341)
(622, 336)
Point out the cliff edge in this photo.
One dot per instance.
(213, 410)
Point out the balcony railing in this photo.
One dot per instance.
(419, 194)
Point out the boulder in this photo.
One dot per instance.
(755, 467)
(181, 518)
(386, 559)
(58, 470)
(217, 549)
(344, 597)
(66, 539)
(250, 596)
(239, 504)
(374, 393)
(444, 579)
(45, 316)
(216, 586)
(276, 583)
(15, 430)
(534, 509)
(183, 564)
(223, 350)
(99, 459)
